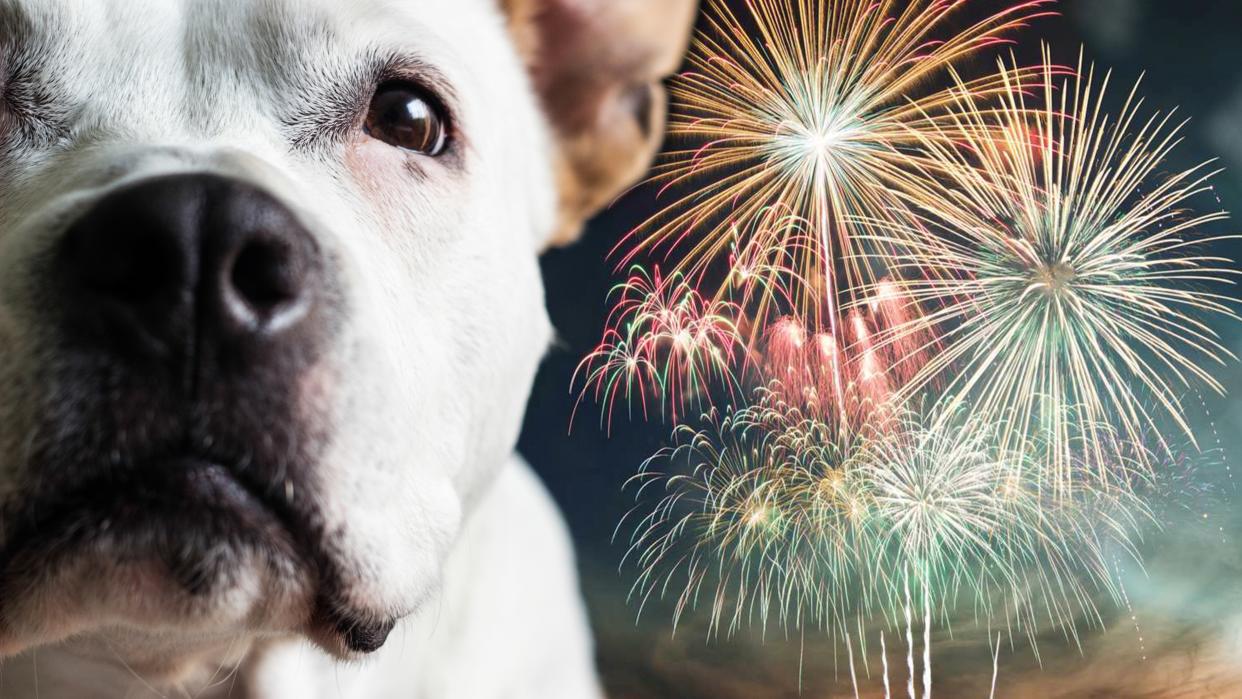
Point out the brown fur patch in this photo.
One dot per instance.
(599, 66)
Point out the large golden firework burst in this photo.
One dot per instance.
(797, 117)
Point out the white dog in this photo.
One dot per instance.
(270, 310)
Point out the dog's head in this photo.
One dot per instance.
(269, 297)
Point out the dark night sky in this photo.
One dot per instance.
(1191, 51)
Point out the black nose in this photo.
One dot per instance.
(187, 265)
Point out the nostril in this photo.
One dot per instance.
(263, 277)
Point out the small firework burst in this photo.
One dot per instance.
(730, 530)
(1075, 287)
(665, 344)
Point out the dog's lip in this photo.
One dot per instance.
(53, 523)
(60, 525)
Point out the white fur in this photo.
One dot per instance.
(427, 383)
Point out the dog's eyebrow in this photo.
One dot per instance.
(28, 89)
(322, 87)
(335, 101)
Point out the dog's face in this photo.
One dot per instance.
(269, 297)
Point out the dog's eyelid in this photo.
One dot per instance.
(417, 73)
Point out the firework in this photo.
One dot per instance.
(1075, 287)
(969, 523)
(971, 313)
(812, 369)
(800, 115)
(772, 515)
(665, 344)
(733, 522)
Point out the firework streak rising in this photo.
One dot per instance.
(956, 324)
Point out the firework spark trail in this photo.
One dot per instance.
(764, 263)
(849, 648)
(803, 112)
(888, 692)
(995, 663)
(1077, 288)
(909, 642)
(970, 519)
(927, 624)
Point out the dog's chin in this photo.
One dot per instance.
(180, 549)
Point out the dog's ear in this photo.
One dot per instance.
(599, 67)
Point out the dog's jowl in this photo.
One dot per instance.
(270, 310)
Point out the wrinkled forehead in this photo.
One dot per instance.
(212, 62)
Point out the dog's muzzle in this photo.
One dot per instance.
(186, 401)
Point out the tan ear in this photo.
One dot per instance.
(599, 67)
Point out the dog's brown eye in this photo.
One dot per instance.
(404, 116)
